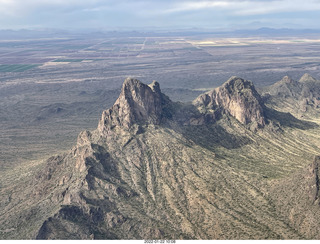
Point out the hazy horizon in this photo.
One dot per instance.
(158, 15)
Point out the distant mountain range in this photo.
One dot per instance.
(49, 33)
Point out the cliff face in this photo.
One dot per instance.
(137, 104)
(140, 104)
(236, 97)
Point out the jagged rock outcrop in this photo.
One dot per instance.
(310, 89)
(314, 184)
(236, 97)
(301, 98)
(286, 87)
(137, 104)
(307, 86)
(307, 78)
(140, 104)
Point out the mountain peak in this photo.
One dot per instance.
(138, 103)
(286, 87)
(307, 77)
(237, 97)
(130, 81)
(237, 84)
(232, 79)
(287, 79)
(155, 86)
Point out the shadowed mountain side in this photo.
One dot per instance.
(297, 199)
(214, 135)
(288, 120)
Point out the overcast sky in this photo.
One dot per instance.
(165, 14)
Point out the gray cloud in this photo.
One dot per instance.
(166, 13)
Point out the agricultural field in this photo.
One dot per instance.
(16, 67)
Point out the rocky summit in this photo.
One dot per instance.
(301, 98)
(236, 97)
(286, 87)
(157, 169)
(137, 104)
(307, 78)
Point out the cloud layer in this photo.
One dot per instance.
(111, 14)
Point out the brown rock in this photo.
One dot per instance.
(137, 104)
(287, 79)
(286, 87)
(236, 97)
(313, 181)
(307, 78)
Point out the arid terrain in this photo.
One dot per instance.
(86, 153)
(51, 89)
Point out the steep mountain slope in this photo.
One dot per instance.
(301, 98)
(297, 199)
(156, 169)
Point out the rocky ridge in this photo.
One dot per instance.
(137, 177)
(140, 104)
(301, 98)
(286, 87)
